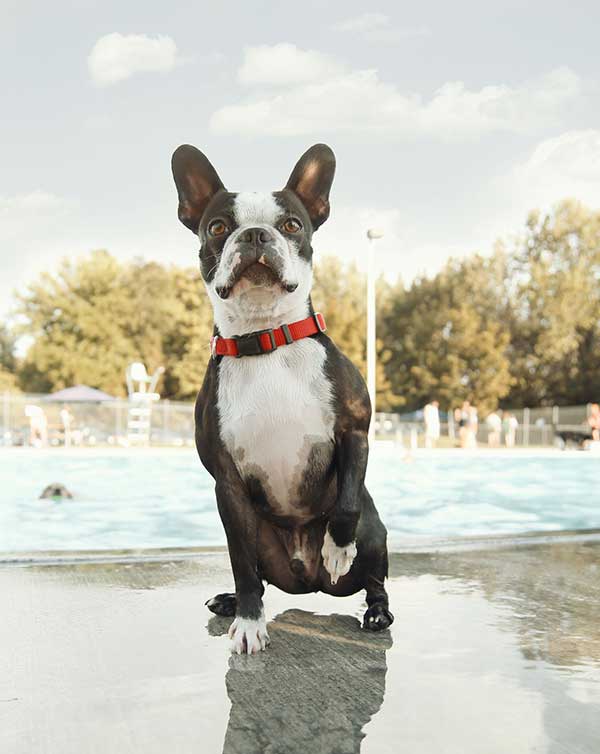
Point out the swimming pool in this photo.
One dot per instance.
(164, 498)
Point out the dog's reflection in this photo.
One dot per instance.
(313, 690)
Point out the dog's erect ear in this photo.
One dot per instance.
(197, 182)
(311, 181)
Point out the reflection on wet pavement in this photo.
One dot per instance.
(323, 692)
(492, 651)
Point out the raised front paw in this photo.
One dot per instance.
(248, 635)
(337, 560)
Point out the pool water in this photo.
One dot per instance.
(156, 498)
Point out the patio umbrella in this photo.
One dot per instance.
(80, 394)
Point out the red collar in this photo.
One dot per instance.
(265, 341)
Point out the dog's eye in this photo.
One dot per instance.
(291, 225)
(217, 228)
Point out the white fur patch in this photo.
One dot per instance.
(249, 636)
(337, 560)
(254, 208)
(274, 410)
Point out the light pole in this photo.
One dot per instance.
(372, 234)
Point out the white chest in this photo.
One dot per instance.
(276, 418)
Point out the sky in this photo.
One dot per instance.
(449, 121)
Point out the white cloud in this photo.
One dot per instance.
(116, 57)
(285, 63)
(28, 213)
(567, 165)
(360, 102)
(378, 27)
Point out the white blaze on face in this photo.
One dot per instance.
(252, 208)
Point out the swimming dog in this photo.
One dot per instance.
(282, 417)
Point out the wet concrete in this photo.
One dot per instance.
(493, 650)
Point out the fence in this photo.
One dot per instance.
(172, 423)
(536, 426)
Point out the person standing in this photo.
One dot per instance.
(472, 427)
(431, 417)
(494, 425)
(594, 421)
(509, 425)
(461, 417)
(38, 426)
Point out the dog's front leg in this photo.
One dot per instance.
(339, 543)
(248, 631)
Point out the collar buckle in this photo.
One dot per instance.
(251, 345)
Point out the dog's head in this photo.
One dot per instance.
(256, 253)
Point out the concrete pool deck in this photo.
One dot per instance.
(495, 648)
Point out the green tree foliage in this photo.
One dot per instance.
(8, 361)
(555, 325)
(186, 342)
(339, 291)
(447, 338)
(96, 315)
(519, 327)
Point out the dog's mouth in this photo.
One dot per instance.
(258, 274)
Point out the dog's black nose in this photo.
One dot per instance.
(256, 236)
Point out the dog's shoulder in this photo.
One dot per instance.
(351, 401)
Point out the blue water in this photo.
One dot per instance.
(165, 498)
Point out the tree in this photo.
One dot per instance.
(387, 398)
(96, 316)
(340, 291)
(8, 361)
(78, 320)
(520, 327)
(555, 343)
(448, 338)
(186, 343)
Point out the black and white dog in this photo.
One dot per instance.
(283, 430)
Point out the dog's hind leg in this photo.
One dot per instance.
(369, 569)
(373, 563)
(223, 604)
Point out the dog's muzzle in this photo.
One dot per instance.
(255, 253)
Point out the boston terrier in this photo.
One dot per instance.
(282, 417)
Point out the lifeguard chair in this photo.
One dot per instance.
(141, 389)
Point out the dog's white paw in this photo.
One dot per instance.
(248, 636)
(337, 560)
